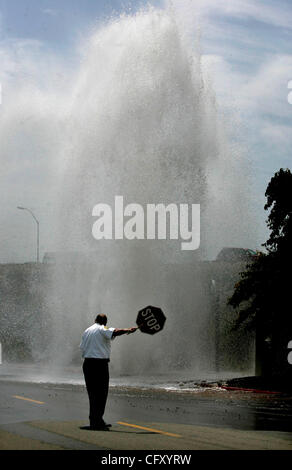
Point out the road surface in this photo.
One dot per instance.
(49, 416)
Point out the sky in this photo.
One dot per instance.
(245, 47)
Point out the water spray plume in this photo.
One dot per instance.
(140, 120)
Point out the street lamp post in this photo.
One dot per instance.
(215, 292)
(38, 229)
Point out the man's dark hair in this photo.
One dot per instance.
(101, 319)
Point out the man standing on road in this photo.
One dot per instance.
(96, 346)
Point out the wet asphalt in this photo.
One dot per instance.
(27, 410)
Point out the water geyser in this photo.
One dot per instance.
(142, 123)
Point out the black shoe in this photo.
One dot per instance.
(106, 424)
(100, 428)
(100, 424)
(94, 428)
(86, 428)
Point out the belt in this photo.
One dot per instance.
(99, 359)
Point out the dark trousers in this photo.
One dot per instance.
(96, 376)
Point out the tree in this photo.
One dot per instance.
(279, 201)
(263, 295)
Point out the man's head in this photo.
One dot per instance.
(101, 319)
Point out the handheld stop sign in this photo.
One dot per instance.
(150, 320)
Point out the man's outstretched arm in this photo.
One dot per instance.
(124, 331)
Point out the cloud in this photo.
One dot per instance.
(250, 68)
(246, 57)
(257, 108)
(277, 134)
(273, 13)
(50, 12)
(265, 91)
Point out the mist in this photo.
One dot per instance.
(136, 117)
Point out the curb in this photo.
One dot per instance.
(250, 390)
